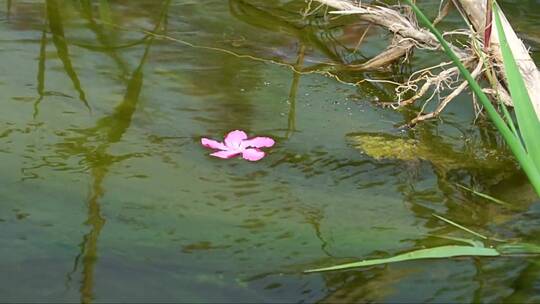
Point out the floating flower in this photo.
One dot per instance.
(236, 143)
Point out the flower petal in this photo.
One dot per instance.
(258, 142)
(253, 154)
(213, 144)
(234, 139)
(225, 154)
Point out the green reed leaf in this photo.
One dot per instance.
(485, 196)
(460, 226)
(442, 252)
(528, 122)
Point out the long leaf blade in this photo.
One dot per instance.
(440, 252)
(528, 122)
(460, 226)
(485, 196)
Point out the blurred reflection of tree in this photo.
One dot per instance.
(93, 145)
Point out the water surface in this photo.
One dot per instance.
(106, 194)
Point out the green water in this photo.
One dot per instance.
(106, 194)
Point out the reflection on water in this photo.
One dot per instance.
(162, 221)
(56, 27)
(108, 130)
(291, 121)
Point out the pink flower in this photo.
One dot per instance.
(236, 143)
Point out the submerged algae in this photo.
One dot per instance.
(385, 146)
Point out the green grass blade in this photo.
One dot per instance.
(528, 122)
(473, 243)
(460, 226)
(508, 118)
(483, 195)
(490, 75)
(514, 143)
(441, 252)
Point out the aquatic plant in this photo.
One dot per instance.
(237, 143)
(520, 136)
(480, 246)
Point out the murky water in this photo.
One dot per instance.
(107, 195)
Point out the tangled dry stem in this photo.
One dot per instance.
(429, 82)
(445, 101)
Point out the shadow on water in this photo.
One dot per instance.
(223, 80)
(323, 45)
(265, 19)
(272, 19)
(108, 130)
